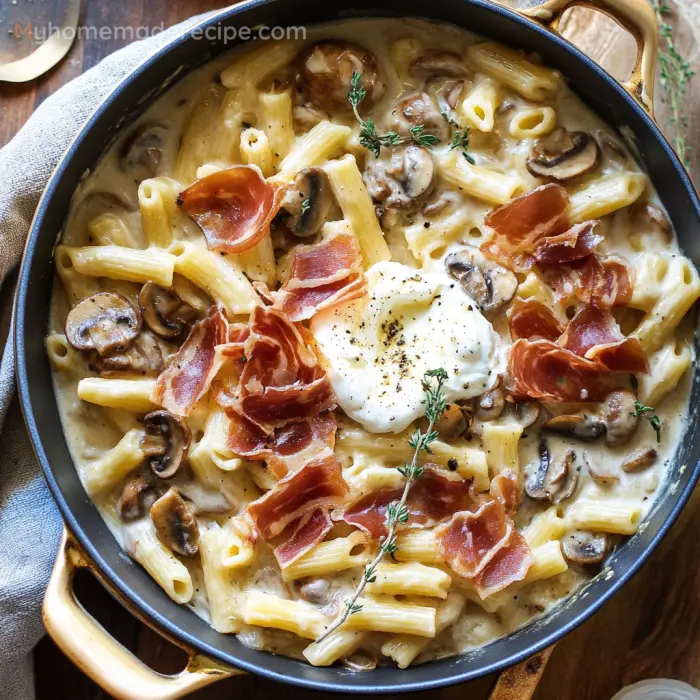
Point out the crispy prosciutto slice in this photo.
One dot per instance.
(288, 448)
(594, 334)
(233, 207)
(505, 489)
(322, 275)
(432, 498)
(281, 380)
(520, 223)
(319, 484)
(485, 548)
(600, 282)
(188, 376)
(541, 369)
(576, 243)
(303, 535)
(531, 319)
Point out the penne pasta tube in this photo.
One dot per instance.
(616, 517)
(513, 70)
(388, 616)
(104, 474)
(533, 122)
(255, 150)
(604, 196)
(130, 394)
(544, 528)
(478, 109)
(418, 545)
(118, 263)
(474, 180)
(157, 197)
(324, 141)
(549, 561)
(213, 273)
(277, 122)
(409, 578)
(501, 442)
(337, 645)
(266, 610)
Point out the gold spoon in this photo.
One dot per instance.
(48, 54)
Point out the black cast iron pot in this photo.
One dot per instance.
(214, 655)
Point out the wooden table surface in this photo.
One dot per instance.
(650, 629)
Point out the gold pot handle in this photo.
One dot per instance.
(636, 16)
(88, 645)
(521, 681)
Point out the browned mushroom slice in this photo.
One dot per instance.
(554, 480)
(136, 498)
(400, 176)
(176, 526)
(577, 425)
(639, 460)
(441, 64)
(598, 473)
(487, 283)
(102, 322)
(202, 499)
(314, 590)
(648, 217)
(166, 442)
(491, 405)
(526, 413)
(141, 152)
(418, 109)
(325, 71)
(145, 356)
(563, 155)
(454, 422)
(309, 202)
(618, 414)
(584, 548)
(164, 312)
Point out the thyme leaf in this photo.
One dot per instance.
(649, 413)
(397, 512)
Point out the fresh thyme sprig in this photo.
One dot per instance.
(675, 76)
(397, 512)
(649, 413)
(369, 137)
(460, 138)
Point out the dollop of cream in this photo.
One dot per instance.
(379, 347)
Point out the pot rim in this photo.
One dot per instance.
(160, 621)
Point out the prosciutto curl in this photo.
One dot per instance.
(323, 274)
(288, 448)
(319, 484)
(432, 498)
(601, 282)
(233, 207)
(281, 380)
(303, 535)
(541, 369)
(531, 319)
(595, 335)
(485, 548)
(189, 374)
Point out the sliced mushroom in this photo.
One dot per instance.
(648, 217)
(400, 176)
(583, 426)
(618, 415)
(418, 109)
(526, 413)
(202, 499)
(439, 64)
(141, 152)
(164, 312)
(582, 547)
(454, 422)
(487, 283)
(639, 460)
(598, 473)
(166, 442)
(136, 498)
(311, 201)
(554, 480)
(175, 524)
(491, 404)
(563, 155)
(102, 322)
(314, 590)
(325, 71)
(145, 356)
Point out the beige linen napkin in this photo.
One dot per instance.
(29, 522)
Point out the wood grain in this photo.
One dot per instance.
(650, 629)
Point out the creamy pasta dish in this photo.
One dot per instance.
(370, 348)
